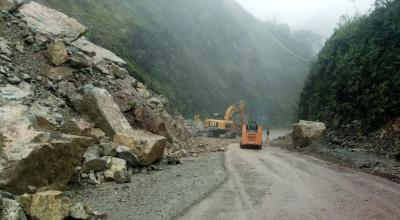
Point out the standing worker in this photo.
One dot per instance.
(267, 131)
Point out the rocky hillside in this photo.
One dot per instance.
(203, 55)
(70, 112)
(356, 76)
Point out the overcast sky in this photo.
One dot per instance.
(321, 16)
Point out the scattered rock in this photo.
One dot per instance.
(92, 178)
(173, 160)
(79, 211)
(66, 89)
(57, 52)
(97, 135)
(142, 90)
(12, 93)
(93, 160)
(14, 80)
(124, 153)
(48, 205)
(79, 60)
(44, 118)
(4, 48)
(11, 209)
(118, 171)
(110, 149)
(20, 47)
(110, 68)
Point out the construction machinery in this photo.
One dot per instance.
(252, 136)
(225, 126)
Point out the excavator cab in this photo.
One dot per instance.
(225, 126)
(252, 134)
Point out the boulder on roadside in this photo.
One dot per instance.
(47, 205)
(49, 21)
(118, 171)
(306, 131)
(147, 146)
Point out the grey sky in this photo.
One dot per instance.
(321, 16)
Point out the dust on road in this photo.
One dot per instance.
(276, 184)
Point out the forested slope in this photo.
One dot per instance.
(357, 74)
(203, 55)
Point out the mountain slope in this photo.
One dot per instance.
(202, 55)
(357, 74)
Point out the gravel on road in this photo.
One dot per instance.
(163, 194)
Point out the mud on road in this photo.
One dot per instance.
(277, 184)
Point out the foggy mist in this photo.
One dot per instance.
(319, 16)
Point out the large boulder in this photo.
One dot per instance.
(30, 157)
(99, 105)
(97, 53)
(147, 146)
(48, 21)
(47, 205)
(306, 131)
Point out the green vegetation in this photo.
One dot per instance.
(203, 55)
(357, 74)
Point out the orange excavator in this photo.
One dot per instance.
(226, 126)
(252, 136)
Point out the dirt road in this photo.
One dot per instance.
(276, 184)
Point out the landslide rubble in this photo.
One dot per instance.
(70, 113)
